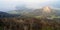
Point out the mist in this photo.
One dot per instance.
(7, 5)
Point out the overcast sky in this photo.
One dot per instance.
(6, 5)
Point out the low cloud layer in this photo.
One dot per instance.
(11, 4)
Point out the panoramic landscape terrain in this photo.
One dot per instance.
(29, 15)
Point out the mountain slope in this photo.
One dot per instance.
(36, 12)
(6, 15)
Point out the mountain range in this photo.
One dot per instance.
(30, 12)
(35, 12)
(7, 15)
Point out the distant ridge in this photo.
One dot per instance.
(6, 15)
(36, 12)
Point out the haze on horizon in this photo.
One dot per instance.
(7, 5)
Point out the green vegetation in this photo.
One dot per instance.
(1, 28)
(29, 23)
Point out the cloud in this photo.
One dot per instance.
(11, 4)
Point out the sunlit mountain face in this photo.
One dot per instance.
(47, 9)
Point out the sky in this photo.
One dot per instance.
(7, 5)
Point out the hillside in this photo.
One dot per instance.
(36, 12)
(7, 15)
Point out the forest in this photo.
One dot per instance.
(29, 24)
